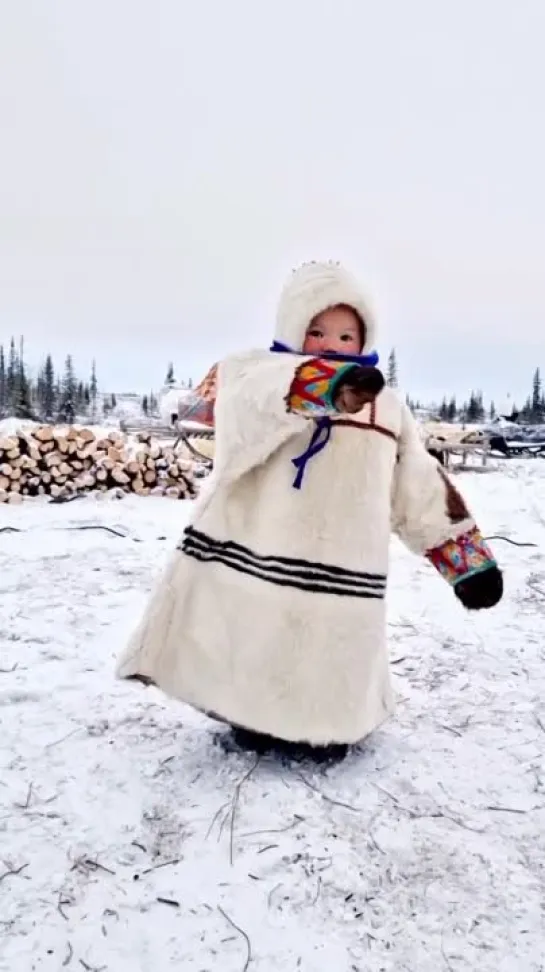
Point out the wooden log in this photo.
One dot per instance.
(115, 454)
(87, 451)
(52, 459)
(140, 488)
(86, 436)
(62, 444)
(44, 434)
(9, 443)
(119, 476)
(85, 481)
(173, 492)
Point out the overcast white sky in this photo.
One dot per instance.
(164, 164)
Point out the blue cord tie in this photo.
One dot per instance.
(319, 440)
(322, 431)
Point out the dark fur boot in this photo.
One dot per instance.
(255, 742)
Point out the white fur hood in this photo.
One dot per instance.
(313, 288)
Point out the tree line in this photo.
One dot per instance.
(531, 413)
(49, 396)
(474, 409)
(60, 396)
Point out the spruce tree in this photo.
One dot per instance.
(11, 378)
(48, 402)
(170, 380)
(93, 391)
(21, 405)
(536, 411)
(391, 375)
(2, 381)
(69, 391)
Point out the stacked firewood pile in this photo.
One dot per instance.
(65, 463)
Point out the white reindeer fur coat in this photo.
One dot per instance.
(271, 613)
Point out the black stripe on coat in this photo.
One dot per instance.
(284, 571)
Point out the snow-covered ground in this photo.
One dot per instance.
(129, 841)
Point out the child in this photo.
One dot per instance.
(271, 614)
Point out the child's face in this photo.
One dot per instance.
(337, 330)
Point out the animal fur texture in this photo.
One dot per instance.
(271, 614)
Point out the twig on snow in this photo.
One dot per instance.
(69, 955)
(328, 799)
(268, 847)
(447, 961)
(234, 806)
(169, 901)
(26, 804)
(156, 867)
(100, 526)
(12, 871)
(507, 810)
(61, 903)
(391, 796)
(455, 732)
(440, 815)
(318, 889)
(224, 807)
(91, 865)
(244, 936)
(57, 742)
(433, 815)
(276, 830)
(91, 968)
(540, 723)
(271, 892)
(514, 543)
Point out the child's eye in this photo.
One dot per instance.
(347, 337)
(314, 332)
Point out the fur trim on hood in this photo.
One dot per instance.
(313, 288)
